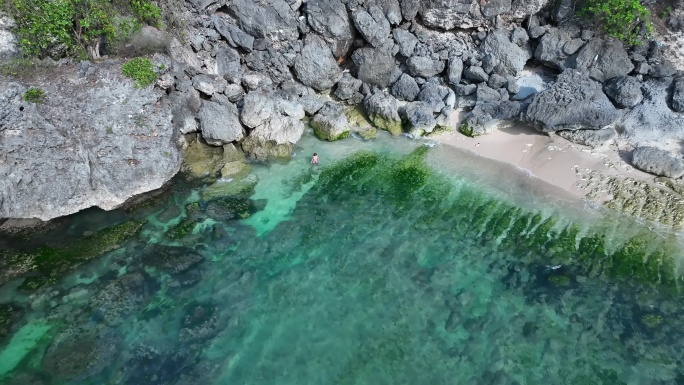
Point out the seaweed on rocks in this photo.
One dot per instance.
(50, 263)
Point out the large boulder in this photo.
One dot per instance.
(373, 25)
(405, 40)
(330, 19)
(409, 9)
(510, 56)
(624, 91)
(603, 59)
(488, 117)
(315, 65)
(374, 66)
(405, 88)
(658, 162)
(228, 63)
(258, 107)
(419, 118)
(652, 120)
(330, 123)
(455, 70)
(271, 19)
(383, 112)
(93, 140)
(552, 49)
(574, 102)
(78, 353)
(423, 66)
(233, 34)
(220, 124)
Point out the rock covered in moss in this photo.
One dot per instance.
(229, 208)
(8, 315)
(383, 112)
(182, 229)
(201, 160)
(330, 123)
(120, 298)
(228, 188)
(200, 323)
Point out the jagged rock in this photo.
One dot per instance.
(454, 70)
(434, 95)
(497, 81)
(272, 19)
(208, 84)
(409, 8)
(550, 48)
(273, 139)
(519, 37)
(311, 103)
(424, 66)
(373, 25)
(592, 138)
(330, 123)
(233, 35)
(465, 89)
(234, 92)
(450, 14)
(677, 96)
(488, 117)
(625, 91)
(495, 7)
(522, 8)
(475, 74)
(315, 65)
(330, 19)
(348, 89)
(405, 40)
(375, 66)
(108, 141)
(563, 10)
(406, 88)
(652, 120)
(658, 162)
(220, 124)
(390, 8)
(511, 57)
(419, 118)
(256, 80)
(79, 353)
(574, 102)
(258, 108)
(603, 59)
(270, 63)
(291, 108)
(383, 112)
(228, 64)
(486, 94)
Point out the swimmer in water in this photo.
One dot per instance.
(314, 158)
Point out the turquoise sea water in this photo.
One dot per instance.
(373, 268)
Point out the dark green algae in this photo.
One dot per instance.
(47, 264)
(540, 239)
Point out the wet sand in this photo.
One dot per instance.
(549, 158)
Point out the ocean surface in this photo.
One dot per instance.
(392, 262)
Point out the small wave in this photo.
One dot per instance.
(525, 171)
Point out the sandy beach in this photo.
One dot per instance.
(549, 158)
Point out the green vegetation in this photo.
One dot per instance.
(77, 28)
(181, 230)
(622, 19)
(51, 263)
(466, 130)
(34, 95)
(141, 70)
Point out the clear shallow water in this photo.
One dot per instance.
(370, 271)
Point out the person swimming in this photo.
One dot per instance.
(314, 158)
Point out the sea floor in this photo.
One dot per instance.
(389, 263)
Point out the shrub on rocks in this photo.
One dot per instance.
(620, 18)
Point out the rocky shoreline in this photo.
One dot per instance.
(249, 76)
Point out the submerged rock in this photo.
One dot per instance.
(201, 323)
(172, 259)
(574, 102)
(120, 298)
(147, 365)
(8, 315)
(80, 353)
(227, 208)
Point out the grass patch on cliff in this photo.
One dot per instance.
(77, 28)
(141, 70)
(34, 95)
(626, 20)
